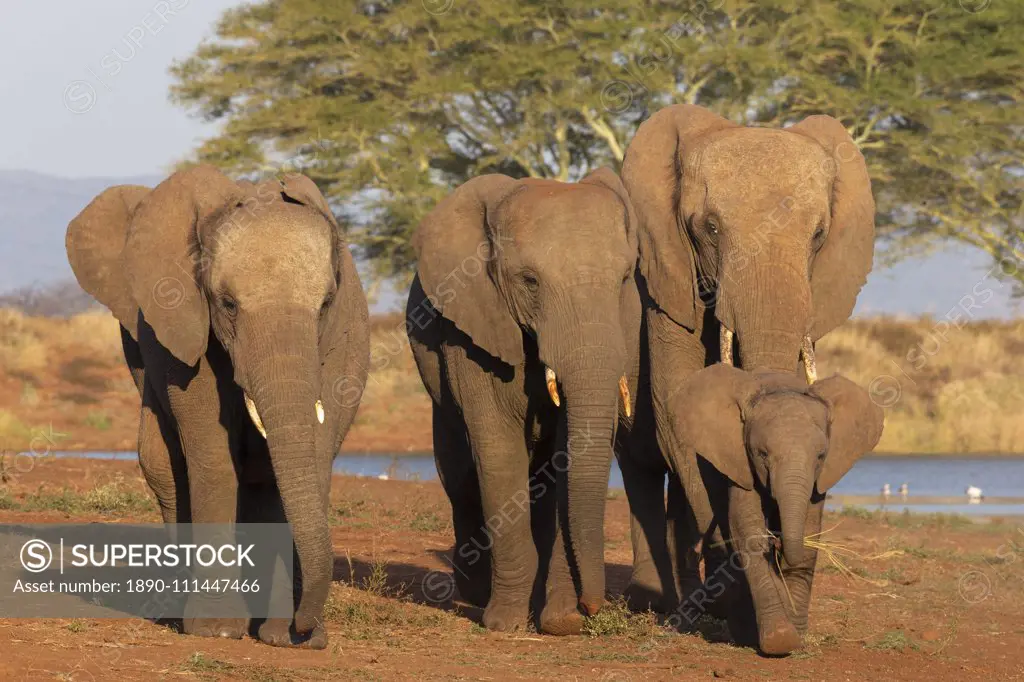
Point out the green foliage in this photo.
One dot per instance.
(894, 640)
(616, 619)
(200, 664)
(98, 420)
(388, 105)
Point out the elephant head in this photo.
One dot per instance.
(266, 269)
(772, 430)
(518, 264)
(775, 228)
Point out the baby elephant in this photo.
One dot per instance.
(775, 445)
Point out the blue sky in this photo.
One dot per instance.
(86, 91)
(57, 55)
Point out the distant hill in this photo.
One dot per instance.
(36, 208)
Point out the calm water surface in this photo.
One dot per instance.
(924, 474)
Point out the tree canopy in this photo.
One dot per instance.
(388, 105)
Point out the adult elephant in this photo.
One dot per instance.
(754, 243)
(524, 322)
(245, 328)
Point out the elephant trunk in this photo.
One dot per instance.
(284, 377)
(592, 399)
(589, 358)
(765, 310)
(793, 494)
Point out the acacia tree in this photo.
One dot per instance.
(388, 105)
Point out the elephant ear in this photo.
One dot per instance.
(164, 257)
(345, 335)
(95, 240)
(842, 265)
(301, 189)
(652, 174)
(607, 178)
(709, 421)
(855, 426)
(454, 245)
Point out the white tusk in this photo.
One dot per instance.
(725, 344)
(624, 392)
(250, 406)
(807, 356)
(552, 382)
(320, 411)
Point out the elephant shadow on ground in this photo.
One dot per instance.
(431, 583)
(433, 586)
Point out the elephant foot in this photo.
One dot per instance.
(778, 637)
(229, 628)
(561, 616)
(279, 632)
(503, 617)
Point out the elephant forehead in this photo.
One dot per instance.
(789, 413)
(281, 254)
(762, 165)
(547, 212)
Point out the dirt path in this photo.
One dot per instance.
(945, 603)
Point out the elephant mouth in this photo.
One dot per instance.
(254, 415)
(725, 343)
(551, 379)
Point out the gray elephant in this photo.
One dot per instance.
(754, 243)
(775, 446)
(246, 331)
(524, 322)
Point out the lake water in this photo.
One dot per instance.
(940, 476)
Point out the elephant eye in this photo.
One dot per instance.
(712, 226)
(530, 280)
(819, 237)
(229, 305)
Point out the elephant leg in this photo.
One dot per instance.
(471, 554)
(673, 354)
(722, 579)
(776, 633)
(560, 614)
(652, 584)
(162, 462)
(212, 486)
(684, 545)
(502, 465)
(800, 578)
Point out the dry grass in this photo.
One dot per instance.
(944, 389)
(836, 554)
(22, 349)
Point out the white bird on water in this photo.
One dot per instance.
(886, 490)
(904, 490)
(973, 494)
